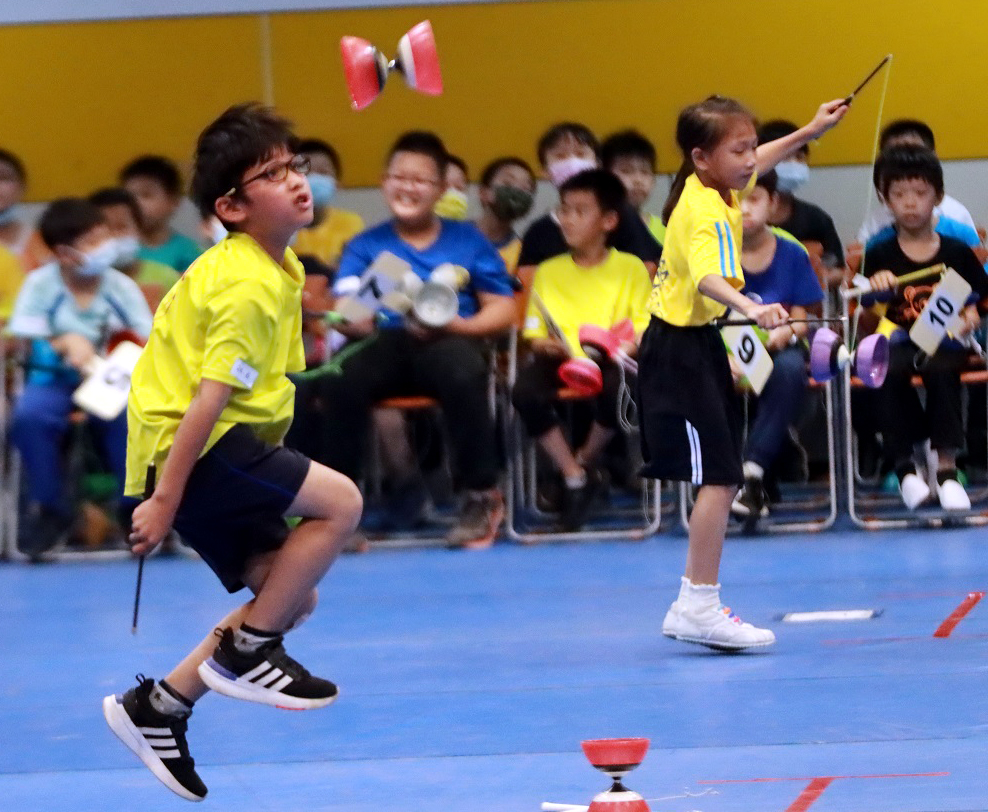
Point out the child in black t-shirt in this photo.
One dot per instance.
(912, 186)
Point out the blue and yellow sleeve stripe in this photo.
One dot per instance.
(725, 240)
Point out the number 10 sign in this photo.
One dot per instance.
(942, 313)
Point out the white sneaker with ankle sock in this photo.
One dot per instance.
(952, 495)
(698, 616)
(914, 490)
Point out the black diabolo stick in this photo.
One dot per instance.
(867, 79)
(148, 491)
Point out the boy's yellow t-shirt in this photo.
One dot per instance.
(326, 241)
(235, 317)
(603, 295)
(703, 237)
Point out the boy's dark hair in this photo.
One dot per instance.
(769, 181)
(421, 142)
(908, 162)
(557, 132)
(117, 196)
(310, 145)
(626, 144)
(14, 163)
(157, 168)
(701, 125)
(907, 126)
(604, 184)
(67, 219)
(779, 128)
(495, 166)
(456, 160)
(243, 136)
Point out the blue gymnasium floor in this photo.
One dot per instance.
(469, 679)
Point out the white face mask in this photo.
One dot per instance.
(217, 231)
(127, 248)
(561, 171)
(792, 175)
(98, 260)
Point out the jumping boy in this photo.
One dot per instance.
(209, 405)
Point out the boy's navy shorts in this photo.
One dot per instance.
(235, 501)
(690, 413)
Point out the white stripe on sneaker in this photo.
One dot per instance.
(269, 679)
(281, 684)
(167, 753)
(259, 671)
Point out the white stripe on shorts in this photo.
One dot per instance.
(696, 458)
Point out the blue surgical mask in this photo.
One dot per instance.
(127, 248)
(10, 214)
(792, 175)
(98, 260)
(323, 189)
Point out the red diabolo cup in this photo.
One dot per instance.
(616, 757)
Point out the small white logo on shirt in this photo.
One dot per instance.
(244, 373)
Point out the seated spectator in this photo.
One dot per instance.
(912, 185)
(591, 284)
(15, 233)
(67, 310)
(157, 185)
(564, 150)
(11, 277)
(909, 132)
(453, 204)
(804, 220)
(779, 272)
(507, 191)
(403, 357)
(123, 217)
(332, 227)
(631, 156)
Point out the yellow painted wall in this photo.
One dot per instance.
(78, 100)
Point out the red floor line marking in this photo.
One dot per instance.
(958, 614)
(815, 777)
(809, 796)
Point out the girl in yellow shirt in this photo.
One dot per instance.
(691, 415)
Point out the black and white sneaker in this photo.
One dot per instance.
(156, 738)
(268, 676)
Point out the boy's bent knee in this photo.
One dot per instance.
(329, 495)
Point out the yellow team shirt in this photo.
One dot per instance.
(510, 252)
(703, 237)
(235, 317)
(325, 241)
(603, 295)
(11, 276)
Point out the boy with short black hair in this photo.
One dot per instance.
(913, 132)
(564, 150)
(631, 156)
(209, 405)
(157, 185)
(68, 310)
(912, 185)
(404, 357)
(591, 284)
(332, 227)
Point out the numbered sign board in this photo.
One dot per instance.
(750, 354)
(379, 286)
(942, 313)
(104, 392)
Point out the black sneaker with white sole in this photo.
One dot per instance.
(268, 676)
(156, 738)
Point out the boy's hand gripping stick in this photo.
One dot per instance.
(366, 69)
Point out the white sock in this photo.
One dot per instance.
(575, 482)
(700, 596)
(247, 639)
(166, 700)
(752, 470)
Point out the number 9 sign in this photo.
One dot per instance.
(751, 354)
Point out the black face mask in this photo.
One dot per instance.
(511, 203)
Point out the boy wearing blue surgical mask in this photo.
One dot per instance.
(805, 221)
(123, 217)
(332, 227)
(67, 311)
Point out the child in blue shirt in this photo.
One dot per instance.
(67, 310)
(778, 271)
(403, 357)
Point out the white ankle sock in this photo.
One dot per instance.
(576, 481)
(166, 700)
(752, 470)
(699, 595)
(247, 639)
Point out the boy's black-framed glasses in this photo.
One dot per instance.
(277, 173)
